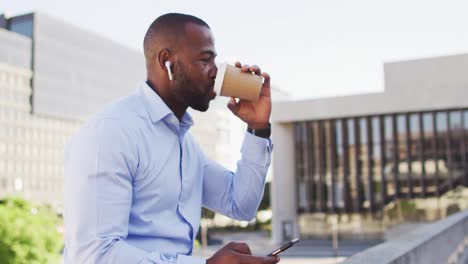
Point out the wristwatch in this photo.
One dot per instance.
(264, 132)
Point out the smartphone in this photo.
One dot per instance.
(283, 247)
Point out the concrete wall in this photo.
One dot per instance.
(445, 241)
(432, 75)
(15, 49)
(283, 195)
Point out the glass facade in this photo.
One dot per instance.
(31, 146)
(22, 25)
(359, 164)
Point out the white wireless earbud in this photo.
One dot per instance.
(168, 66)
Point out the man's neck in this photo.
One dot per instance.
(169, 100)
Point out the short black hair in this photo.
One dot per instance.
(165, 31)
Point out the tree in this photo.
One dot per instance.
(207, 213)
(28, 234)
(265, 204)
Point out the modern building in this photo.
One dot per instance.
(53, 76)
(355, 154)
(31, 146)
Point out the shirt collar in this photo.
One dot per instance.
(157, 108)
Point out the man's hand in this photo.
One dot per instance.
(255, 114)
(239, 253)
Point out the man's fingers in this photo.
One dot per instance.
(259, 260)
(245, 68)
(266, 85)
(242, 248)
(266, 79)
(255, 69)
(233, 106)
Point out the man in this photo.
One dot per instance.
(135, 180)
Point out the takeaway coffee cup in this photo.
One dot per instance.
(230, 81)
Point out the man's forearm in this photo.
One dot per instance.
(238, 194)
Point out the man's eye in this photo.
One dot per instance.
(206, 59)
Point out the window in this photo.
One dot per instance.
(364, 157)
(300, 165)
(339, 189)
(456, 140)
(441, 138)
(401, 134)
(430, 144)
(377, 160)
(415, 147)
(391, 154)
(23, 26)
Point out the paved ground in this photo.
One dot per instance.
(311, 260)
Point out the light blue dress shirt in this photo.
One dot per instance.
(135, 182)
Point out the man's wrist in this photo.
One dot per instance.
(257, 126)
(263, 131)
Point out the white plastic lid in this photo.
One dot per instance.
(220, 78)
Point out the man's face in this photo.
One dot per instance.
(195, 69)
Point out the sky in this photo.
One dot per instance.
(311, 49)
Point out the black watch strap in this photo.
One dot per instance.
(264, 133)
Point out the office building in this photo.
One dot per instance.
(355, 154)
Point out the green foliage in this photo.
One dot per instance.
(407, 210)
(207, 213)
(196, 244)
(28, 234)
(452, 209)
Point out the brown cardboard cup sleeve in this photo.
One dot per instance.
(230, 81)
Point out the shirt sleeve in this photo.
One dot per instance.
(99, 163)
(238, 194)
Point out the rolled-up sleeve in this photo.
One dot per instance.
(99, 163)
(238, 194)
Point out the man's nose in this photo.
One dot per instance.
(213, 71)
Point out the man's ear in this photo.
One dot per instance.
(164, 61)
(163, 56)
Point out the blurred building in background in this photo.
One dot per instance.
(31, 146)
(54, 75)
(355, 154)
